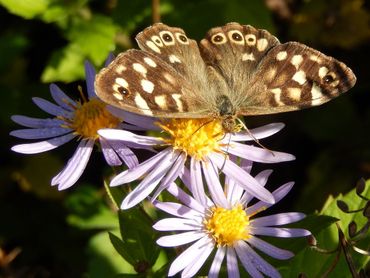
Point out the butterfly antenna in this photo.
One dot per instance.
(253, 137)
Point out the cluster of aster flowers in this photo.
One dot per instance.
(218, 197)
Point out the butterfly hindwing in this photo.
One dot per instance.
(294, 76)
(235, 51)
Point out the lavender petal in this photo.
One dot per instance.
(138, 171)
(192, 268)
(123, 135)
(35, 122)
(177, 224)
(40, 133)
(43, 146)
(278, 219)
(261, 178)
(257, 154)
(186, 257)
(61, 98)
(232, 263)
(258, 133)
(278, 194)
(214, 185)
(269, 249)
(197, 188)
(90, 78)
(185, 199)
(172, 174)
(243, 178)
(51, 108)
(135, 119)
(178, 210)
(278, 232)
(75, 166)
(179, 239)
(217, 262)
(147, 185)
(243, 250)
(115, 152)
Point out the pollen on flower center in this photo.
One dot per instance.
(196, 137)
(90, 116)
(227, 225)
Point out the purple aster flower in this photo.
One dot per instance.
(76, 119)
(227, 223)
(207, 147)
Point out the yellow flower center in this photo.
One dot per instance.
(90, 116)
(227, 225)
(196, 137)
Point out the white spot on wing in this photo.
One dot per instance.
(147, 86)
(316, 95)
(277, 95)
(120, 69)
(248, 56)
(174, 59)
(139, 68)
(323, 71)
(296, 60)
(294, 93)
(262, 44)
(117, 95)
(300, 77)
(177, 99)
(153, 47)
(143, 105)
(122, 82)
(150, 62)
(281, 55)
(161, 101)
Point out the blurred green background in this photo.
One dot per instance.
(46, 233)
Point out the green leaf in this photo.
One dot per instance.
(315, 264)
(138, 245)
(88, 210)
(65, 65)
(91, 39)
(104, 261)
(94, 37)
(26, 8)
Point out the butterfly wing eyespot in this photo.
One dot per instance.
(181, 38)
(219, 38)
(157, 40)
(167, 38)
(250, 39)
(236, 36)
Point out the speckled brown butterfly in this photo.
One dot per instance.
(236, 70)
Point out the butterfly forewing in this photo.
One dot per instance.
(236, 70)
(294, 76)
(174, 48)
(142, 83)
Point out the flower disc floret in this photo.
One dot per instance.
(90, 116)
(226, 226)
(196, 137)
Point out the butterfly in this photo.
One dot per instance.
(235, 70)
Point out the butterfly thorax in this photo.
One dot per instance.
(227, 113)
